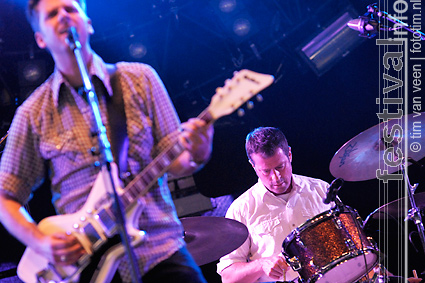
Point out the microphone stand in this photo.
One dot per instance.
(105, 150)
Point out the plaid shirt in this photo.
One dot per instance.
(54, 126)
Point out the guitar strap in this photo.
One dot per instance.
(116, 119)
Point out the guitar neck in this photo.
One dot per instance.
(142, 183)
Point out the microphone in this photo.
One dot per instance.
(72, 39)
(333, 190)
(365, 25)
(368, 25)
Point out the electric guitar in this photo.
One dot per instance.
(94, 224)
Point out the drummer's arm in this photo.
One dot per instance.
(248, 272)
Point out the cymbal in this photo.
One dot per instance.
(208, 238)
(361, 157)
(397, 208)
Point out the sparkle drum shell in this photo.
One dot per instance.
(331, 247)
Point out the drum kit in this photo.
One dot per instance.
(333, 246)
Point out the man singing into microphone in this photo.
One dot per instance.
(53, 133)
(277, 204)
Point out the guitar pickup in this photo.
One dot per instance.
(104, 217)
(92, 234)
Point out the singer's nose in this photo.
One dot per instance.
(63, 16)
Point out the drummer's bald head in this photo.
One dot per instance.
(265, 141)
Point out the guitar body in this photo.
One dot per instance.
(99, 239)
(94, 224)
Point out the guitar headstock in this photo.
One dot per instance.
(236, 91)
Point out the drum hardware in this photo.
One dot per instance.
(376, 275)
(414, 213)
(294, 263)
(332, 193)
(338, 223)
(299, 240)
(397, 208)
(350, 244)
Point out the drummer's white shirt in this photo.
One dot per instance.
(271, 218)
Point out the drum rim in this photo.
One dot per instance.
(321, 272)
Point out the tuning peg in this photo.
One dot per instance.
(259, 98)
(250, 105)
(241, 112)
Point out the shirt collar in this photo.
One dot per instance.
(96, 68)
(263, 191)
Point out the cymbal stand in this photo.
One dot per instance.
(413, 213)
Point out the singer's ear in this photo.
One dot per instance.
(39, 39)
(90, 28)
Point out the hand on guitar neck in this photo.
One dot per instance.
(196, 137)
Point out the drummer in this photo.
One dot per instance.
(278, 203)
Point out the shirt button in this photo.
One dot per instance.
(125, 175)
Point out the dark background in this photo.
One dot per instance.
(192, 45)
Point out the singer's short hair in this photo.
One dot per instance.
(32, 13)
(265, 141)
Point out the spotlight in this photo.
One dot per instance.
(236, 19)
(137, 50)
(241, 27)
(227, 6)
(31, 72)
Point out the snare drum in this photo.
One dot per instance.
(331, 247)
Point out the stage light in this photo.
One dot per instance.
(32, 73)
(236, 19)
(241, 27)
(137, 50)
(331, 45)
(227, 6)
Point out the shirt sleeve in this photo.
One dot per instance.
(21, 168)
(241, 254)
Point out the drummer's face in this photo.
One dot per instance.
(275, 172)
